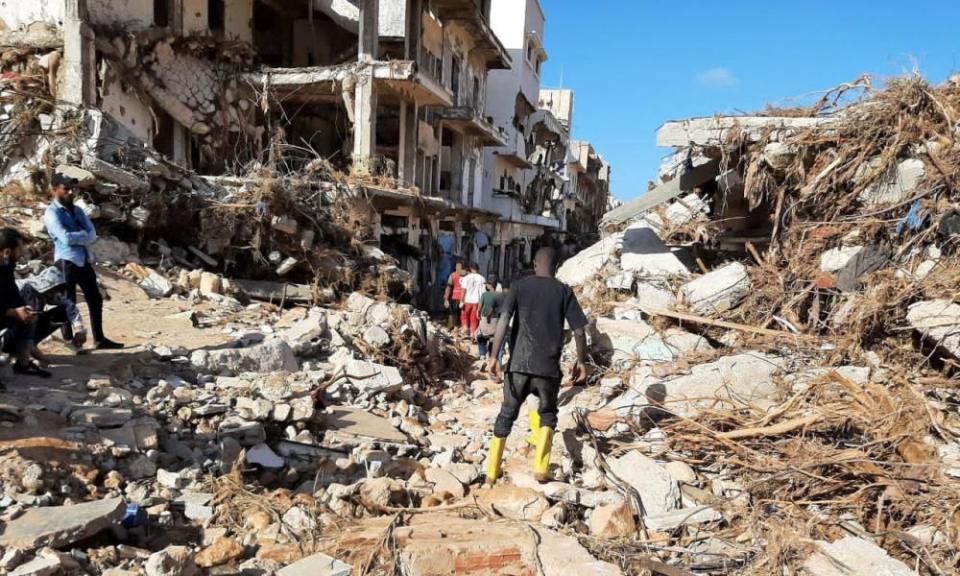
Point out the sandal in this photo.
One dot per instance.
(31, 369)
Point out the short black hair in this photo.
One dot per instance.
(61, 179)
(475, 267)
(548, 256)
(10, 239)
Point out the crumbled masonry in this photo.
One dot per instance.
(774, 343)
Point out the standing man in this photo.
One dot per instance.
(473, 285)
(539, 306)
(453, 294)
(72, 234)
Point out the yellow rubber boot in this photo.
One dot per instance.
(534, 427)
(541, 459)
(493, 459)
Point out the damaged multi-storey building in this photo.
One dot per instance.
(402, 95)
(534, 181)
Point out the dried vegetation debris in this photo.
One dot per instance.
(842, 271)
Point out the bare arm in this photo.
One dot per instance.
(580, 337)
(500, 335)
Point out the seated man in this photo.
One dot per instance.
(17, 318)
(48, 289)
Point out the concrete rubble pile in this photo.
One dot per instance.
(774, 349)
(265, 227)
(775, 330)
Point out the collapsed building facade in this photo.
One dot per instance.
(394, 93)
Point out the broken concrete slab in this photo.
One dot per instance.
(513, 502)
(659, 491)
(562, 555)
(717, 130)
(836, 259)
(369, 378)
(938, 321)
(57, 526)
(316, 565)
(271, 356)
(654, 295)
(900, 183)
(621, 341)
(746, 378)
(694, 173)
(645, 254)
(262, 455)
(852, 556)
(673, 519)
(101, 416)
(718, 291)
(687, 209)
(352, 425)
(588, 262)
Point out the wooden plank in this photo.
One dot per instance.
(722, 323)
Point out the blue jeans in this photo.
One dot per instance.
(485, 343)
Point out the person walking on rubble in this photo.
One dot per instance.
(72, 234)
(453, 295)
(472, 284)
(539, 305)
(490, 304)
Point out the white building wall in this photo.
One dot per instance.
(18, 13)
(128, 111)
(513, 21)
(133, 14)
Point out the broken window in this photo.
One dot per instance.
(161, 13)
(216, 15)
(164, 138)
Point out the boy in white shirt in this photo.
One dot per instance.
(473, 286)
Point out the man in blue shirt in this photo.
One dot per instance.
(72, 234)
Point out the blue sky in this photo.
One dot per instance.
(635, 64)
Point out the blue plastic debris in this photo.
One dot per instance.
(914, 220)
(135, 516)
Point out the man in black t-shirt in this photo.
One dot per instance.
(540, 305)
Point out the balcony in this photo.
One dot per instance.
(515, 151)
(466, 120)
(468, 14)
(323, 83)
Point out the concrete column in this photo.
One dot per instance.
(369, 35)
(365, 100)
(79, 56)
(176, 17)
(412, 39)
(409, 132)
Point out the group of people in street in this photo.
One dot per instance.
(531, 318)
(35, 307)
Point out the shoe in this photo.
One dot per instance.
(541, 459)
(493, 460)
(107, 344)
(77, 350)
(31, 369)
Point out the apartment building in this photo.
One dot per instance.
(434, 106)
